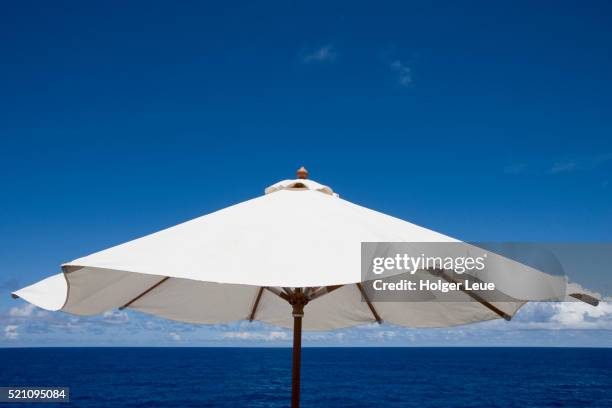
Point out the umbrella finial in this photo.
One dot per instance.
(302, 173)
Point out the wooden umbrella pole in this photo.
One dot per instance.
(297, 354)
(298, 300)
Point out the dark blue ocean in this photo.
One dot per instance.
(331, 377)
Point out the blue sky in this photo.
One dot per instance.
(483, 120)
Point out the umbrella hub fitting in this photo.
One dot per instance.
(298, 300)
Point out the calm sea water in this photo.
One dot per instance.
(334, 377)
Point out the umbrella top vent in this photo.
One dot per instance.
(300, 183)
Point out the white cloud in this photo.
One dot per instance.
(561, 316)
(175, 336)
(368, 326)
(579, 315)
(404, 72)
(10, 332)
(323, 336)
(249, 335)
(385, 335)
(323, 54)
(23, 311)
(115, 317)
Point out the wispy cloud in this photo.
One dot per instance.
(25, 310)
(175, 336)
(568, 165)
(515, 168)
(10, 332)
(115, 317)
(584, 163)
(326, 53)
(385, 334)
(335, 337)
(251, 335)
(403, 71)
(561, 167)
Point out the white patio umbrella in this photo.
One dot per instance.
(300, 243)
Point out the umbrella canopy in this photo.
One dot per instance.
(298, 243)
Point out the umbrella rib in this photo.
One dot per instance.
(370, 305)
(323, 291)
(476, 297)
(277, 292)
(144, 293)
(257, 299)
(585, 298)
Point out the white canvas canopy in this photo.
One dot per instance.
(246, 261)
